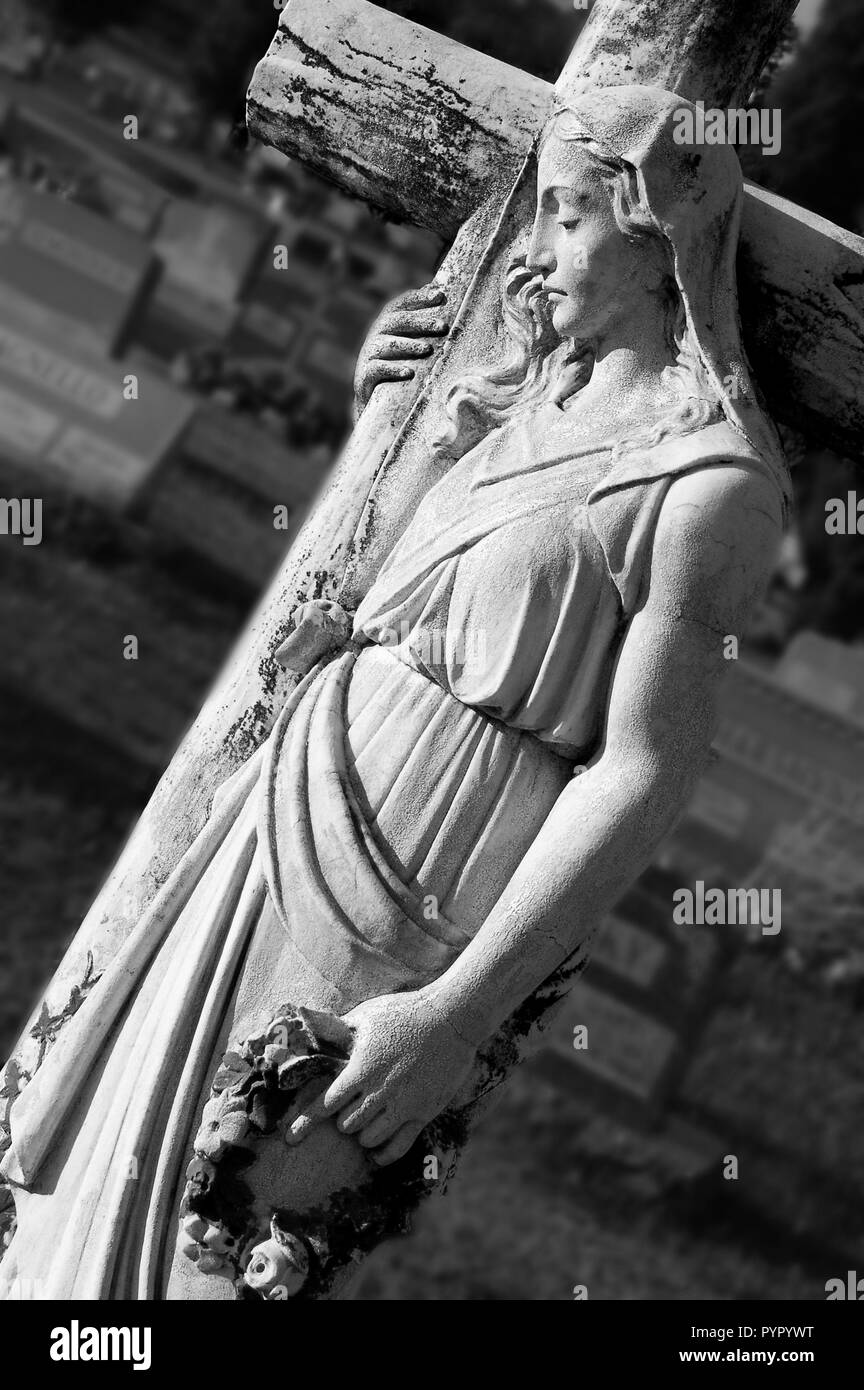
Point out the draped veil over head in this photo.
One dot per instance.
(691, 197)
(695, 196)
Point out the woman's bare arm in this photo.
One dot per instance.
(715, 546)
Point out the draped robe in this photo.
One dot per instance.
(362, 846)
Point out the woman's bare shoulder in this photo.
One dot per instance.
(718, 535)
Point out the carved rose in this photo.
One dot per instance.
(200, 1175)
(277, 1268)
(209, 1244)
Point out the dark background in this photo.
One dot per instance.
(574, 1180)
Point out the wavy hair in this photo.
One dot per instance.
(542, 366)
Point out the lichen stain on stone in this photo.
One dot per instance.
(354, 1220)
(313, 56)
(364, 534)
(506, 1050)
(248, 732)
(456, 122)
(376, 57)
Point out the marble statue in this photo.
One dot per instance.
(469, 768)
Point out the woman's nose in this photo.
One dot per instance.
(539, 257)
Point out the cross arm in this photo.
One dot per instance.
(801, 296)
(407, 119)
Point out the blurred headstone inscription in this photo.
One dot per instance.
(71, 274)
(782, 807)
(70, 417)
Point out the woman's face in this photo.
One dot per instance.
(591, 271)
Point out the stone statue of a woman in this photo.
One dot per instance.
(469, 771)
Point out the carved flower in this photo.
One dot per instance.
(194, 1227)
(232, 1073)
(233, 1127)
(209, 1244)
(199, 1177)
(277, 1267)
(218, 1238)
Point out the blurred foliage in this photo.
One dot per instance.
(821, 96)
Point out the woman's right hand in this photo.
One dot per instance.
(407, 331)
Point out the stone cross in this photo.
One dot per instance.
(431, 131)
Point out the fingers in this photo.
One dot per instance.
(301, 1127)
(379, 1131)
(355, 1117)
(425, 298)
(330, 1027)
(419, 323)
(305, 1099)
(398, 1146)
(347, 1087)
(394, 348)
(386, 371)
(313, 1112)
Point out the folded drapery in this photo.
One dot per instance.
(102, 1133)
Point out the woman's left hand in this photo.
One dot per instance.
(406, 1064)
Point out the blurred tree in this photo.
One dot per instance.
(821, 96)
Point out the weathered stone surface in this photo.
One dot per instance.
(801, 283)
(405, 118)
(703, 51)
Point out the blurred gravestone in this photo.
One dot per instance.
(72, 274)
(826, 673)
(65, 417)
(783, 807)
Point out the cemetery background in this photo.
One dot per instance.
(726, 1046)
